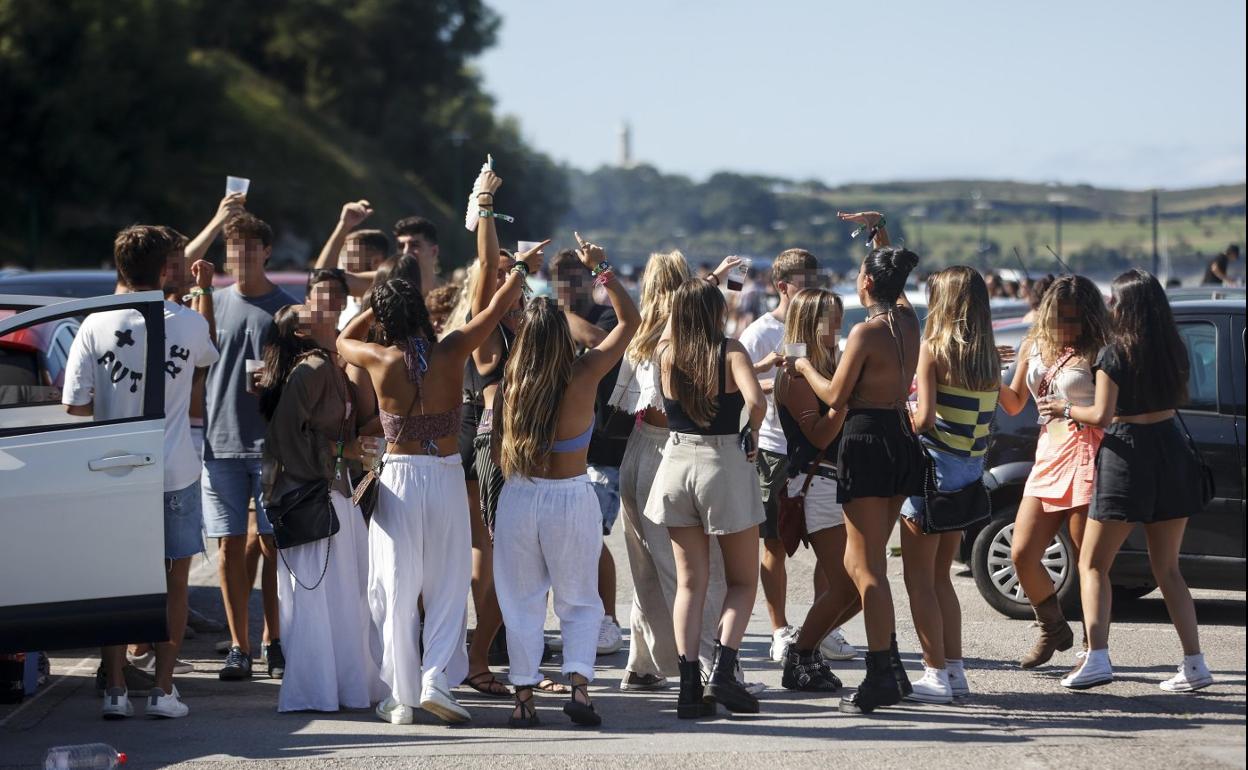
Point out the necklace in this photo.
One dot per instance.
(875, 311)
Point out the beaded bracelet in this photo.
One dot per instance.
(522, 268)
(603, 278)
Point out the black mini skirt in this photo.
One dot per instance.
(1145, 474)
(880, 457)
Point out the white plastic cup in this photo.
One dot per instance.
(254, 366)
(236, 184)
(795, 350)
(523, 246)
(737, 275)
(374, 447)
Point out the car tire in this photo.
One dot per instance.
(994, 573)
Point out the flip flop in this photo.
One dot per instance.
(549, 686)
(488, 686)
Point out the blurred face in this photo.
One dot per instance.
(358, 259)
(1069, 324)
(573, 287)
(177, 275)
(830, 329)
(417, 246)
(804, 279)
(243, 255)
(324, 305)
(864, 285)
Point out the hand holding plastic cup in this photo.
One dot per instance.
(372, 448)
(236, 184)
(795, 350)
(255, 370)
(736, 276)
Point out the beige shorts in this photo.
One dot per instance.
(707, 482)
(822, 510)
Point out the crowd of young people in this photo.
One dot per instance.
(477, 443)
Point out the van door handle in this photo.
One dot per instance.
(120, 461)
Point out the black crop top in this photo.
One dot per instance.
(801, 451)
(727, 418)
(1131, 401)
(475, 383)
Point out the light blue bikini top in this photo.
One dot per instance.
(575, 443)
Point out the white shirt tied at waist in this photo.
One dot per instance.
(637, 387)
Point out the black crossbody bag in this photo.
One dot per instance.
(952, 511)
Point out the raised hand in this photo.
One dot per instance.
(490, 182)
(230, 205)
(725, 267)
(202, 271)
(355, 212)
(533, 257)
(864, 218)
(590, 254)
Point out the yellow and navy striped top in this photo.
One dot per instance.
(962, 420)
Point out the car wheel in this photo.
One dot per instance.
(997, 580)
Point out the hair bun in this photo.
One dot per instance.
(904, 259)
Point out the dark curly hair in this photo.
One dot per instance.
(889, 267)
(401, 313)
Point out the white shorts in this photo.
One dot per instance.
(822, 510)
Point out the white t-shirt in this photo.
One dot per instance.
(349, 311)
(106, 369)
(765, 336)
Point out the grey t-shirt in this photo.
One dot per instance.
(233, 425)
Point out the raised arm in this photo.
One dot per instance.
(352, 215)
(201, 295)
(602, 357)
(354, 350)
(469, 337)
(487, 245)
(230, 205)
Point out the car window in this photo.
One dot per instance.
(1201, 339)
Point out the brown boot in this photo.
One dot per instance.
(1055, 633)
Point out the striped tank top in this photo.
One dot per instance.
(963, 419)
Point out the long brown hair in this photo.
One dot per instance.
(664, 274)
(1146, 335)
(1081, 296)
(538, 372)
(804, 323)
(284, 348)
(697, 332)
(959, 328)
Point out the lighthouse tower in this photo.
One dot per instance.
(626, 145)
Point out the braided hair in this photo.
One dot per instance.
(401, 313)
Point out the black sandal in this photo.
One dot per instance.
(488, 686)
(582, 714)
(527, 710)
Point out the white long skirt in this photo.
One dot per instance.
(420, 544)
(326, 631)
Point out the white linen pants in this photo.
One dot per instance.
(652, 638)
(326, 631)
(419, 543)
(548, 537)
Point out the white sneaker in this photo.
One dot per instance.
(437, 700)
(117, 704)
(610, 638)
(836, 647)
(781, 638)
(161, 706)
(390, 710)
(147, 664)
(1193, 675)
(957, 679)
(753, 688)
(933, 687)
(1094, 670)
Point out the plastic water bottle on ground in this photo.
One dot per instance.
(88, 756)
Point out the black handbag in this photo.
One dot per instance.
(1208, 489)
(952, 511)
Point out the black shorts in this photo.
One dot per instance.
(879, 457)
(773, 475)
(1145, 474)
(467, 433)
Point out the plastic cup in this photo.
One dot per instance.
(795, 350)
(254, 366)
(736, 276)
(523, 246)
(374, 447)
(236, 184)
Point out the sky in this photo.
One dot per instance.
(1118, 94)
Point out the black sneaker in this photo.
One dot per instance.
(272, 653)
(237, 665)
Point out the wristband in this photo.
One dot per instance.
(713, 277)
(605, 277)
(1066, 411)
(522, 268)
(197, 292)
(603, 267)
(487, 213)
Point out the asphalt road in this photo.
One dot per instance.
(1013, 719)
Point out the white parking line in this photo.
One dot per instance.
(82, 665)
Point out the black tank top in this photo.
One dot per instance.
(801, 451)
(475, 382)
(727, 418)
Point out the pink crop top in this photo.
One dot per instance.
(424, 428)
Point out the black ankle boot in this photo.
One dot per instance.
(804, 670)
(724, 687)
(879, 688)
(899, 669)
(690, 704)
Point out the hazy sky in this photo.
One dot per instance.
(1131, 94)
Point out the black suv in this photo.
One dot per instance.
(1213, 547)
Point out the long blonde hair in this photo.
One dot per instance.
(803, 323)
(665, 272)
(463, 303)
(538, 372)
(959, 328)
(697, 332)
(1082, 297)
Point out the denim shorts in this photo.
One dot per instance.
(184, 522)
(605, 480)
(229, 486)
(953, 472)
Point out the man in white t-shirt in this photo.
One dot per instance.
(792, 271)
(104, 378)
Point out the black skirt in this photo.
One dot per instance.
(1145, 474)
(880, 457)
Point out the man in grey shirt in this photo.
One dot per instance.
(234, 440)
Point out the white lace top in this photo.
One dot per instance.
(637, 387)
